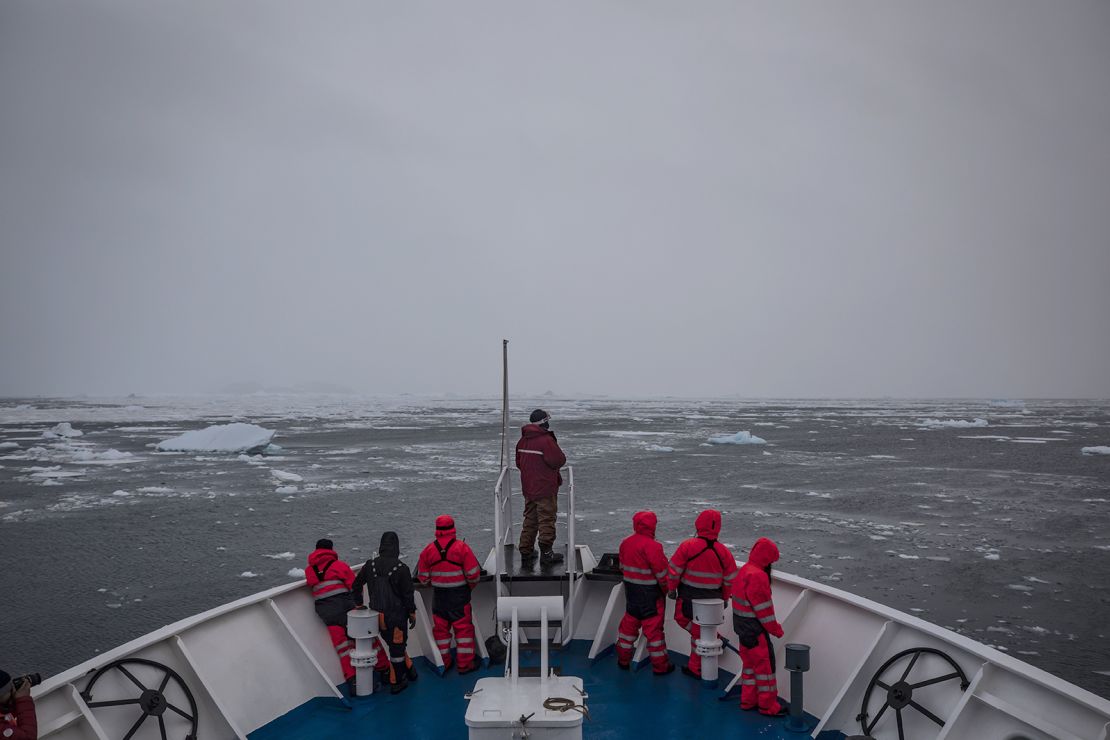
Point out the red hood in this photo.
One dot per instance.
(764, 552)
(708, 524)
(533, 430)
(445, 529)
(321, 557)
(643, 522)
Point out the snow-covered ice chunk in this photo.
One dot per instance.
(249, 574)
(296, 573)
(9, 445)
(740, 438)
(659, 448)
(286, 489)
(281, 556)
(1096, 450)
(235, 437)
(285, 477)
(109, 456)
(65, 429)
(952, 423)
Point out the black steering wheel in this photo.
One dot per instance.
(899, 694)
(152, 701)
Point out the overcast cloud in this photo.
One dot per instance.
(764, 199)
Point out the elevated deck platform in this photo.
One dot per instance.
(622, 704)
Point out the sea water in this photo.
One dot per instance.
(984, 517)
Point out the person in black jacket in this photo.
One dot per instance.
(389, 583)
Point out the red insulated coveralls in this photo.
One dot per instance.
(701, 568)
(753, 616)
(18, 721)
(450, 566)
(644, 567)
(331, 580)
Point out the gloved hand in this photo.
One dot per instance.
(777, 632)
(412, 621)
(672, 595)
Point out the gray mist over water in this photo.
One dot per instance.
(995, 528)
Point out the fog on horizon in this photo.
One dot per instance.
(766, 200)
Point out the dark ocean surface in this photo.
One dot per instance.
(996, 529)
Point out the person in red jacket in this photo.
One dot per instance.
(450, 566)
(17, 710)
(331, 580)
(539, 458)
(701, 568)
(644, 567)
(753, 617)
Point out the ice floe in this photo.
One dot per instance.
(64, 429)
(659, 448)
(230, 438)
(951, 423)
(285, 477)
(249, 574)
(296, 573)
(740, 438)
(9, 445)
(286, 489)
(281, 556)
(1101, 450)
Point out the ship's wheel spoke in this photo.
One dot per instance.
(165, 682)
(870, 727)
(931, 681)
(135, 726)
(162, 727)
(113, 703)
(909, 668)
(882, 685)
(927, 713)
(134, 680)
(179, 711)
(897, 713)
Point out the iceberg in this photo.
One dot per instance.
(951, 423)
(740, 438)
(65, 429)
(231, 438)
(1096, 450)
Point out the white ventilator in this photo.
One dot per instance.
(708, 615)
(362, 627)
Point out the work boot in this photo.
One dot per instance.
(550, 557)
(411, 673)
(400, 686)
(527, 559)
(665, 671)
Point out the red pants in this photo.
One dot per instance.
(758, 687)
(464, 638)
(629, 630)
(694, 664)
(343, 647)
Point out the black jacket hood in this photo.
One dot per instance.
(390, 546)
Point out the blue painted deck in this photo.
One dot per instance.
(622, 704)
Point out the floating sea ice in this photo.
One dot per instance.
(951, 423)
(65, 429)
(992, 556)
(9, 445)
(1034, 579)
(296, 573)
(281, 556)
(1019, 587)
(155, 489)
(659, 448)
(1096, 450)
(108, 456)
(740, 438)
(285, 477)
(249, 574)
(286, 489)
(236, 437)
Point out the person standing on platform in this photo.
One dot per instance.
(701, 568)
(331, 580)
(539, 458)
(644, 567)
(753, 617)
(450, 566)
(391, 595)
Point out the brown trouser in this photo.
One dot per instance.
(538, 515)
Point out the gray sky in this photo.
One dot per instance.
(767, 199)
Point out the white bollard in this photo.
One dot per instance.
(708, 615)
(362, 627)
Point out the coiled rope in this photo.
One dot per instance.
(560, 704)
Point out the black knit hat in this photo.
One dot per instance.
(324, 544)
(538, 415)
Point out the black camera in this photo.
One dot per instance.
(33, 678)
